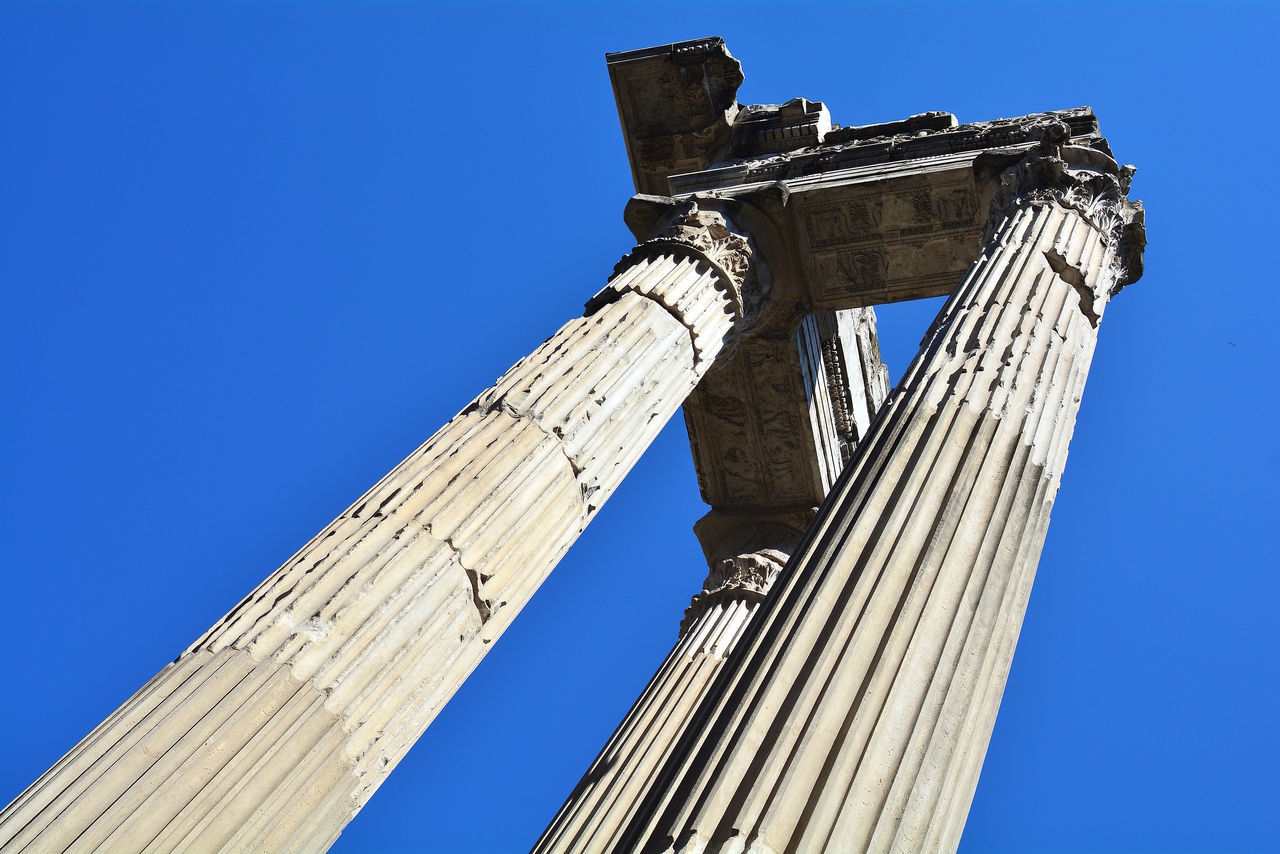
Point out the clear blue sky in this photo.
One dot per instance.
(251, 256)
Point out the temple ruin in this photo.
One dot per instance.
(870, 550)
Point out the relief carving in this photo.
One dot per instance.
(958, 206)
(753, 443)
(932, 209)
(751, 573)
(710, 233)
(833, 363)
(890, 246)
(707, 237)
(922, 206)
(729, 410)
(862, 269)
(854, 220)
(684, 88)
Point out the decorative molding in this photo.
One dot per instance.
(728, 251)
(919, 137)
(838, 393)
(760, 128)
(1088, 181)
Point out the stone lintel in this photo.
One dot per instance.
(877, 233)
(883, 218)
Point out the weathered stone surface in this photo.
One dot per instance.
(772, 426)
(763, 128)
(850, 710)
(624, 771)
(885, 218)
(276, 726)
(861, 215)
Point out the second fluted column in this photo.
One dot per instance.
(856, 711)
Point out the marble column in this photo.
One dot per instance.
(855, 713)
(274, 728)
(620, 776)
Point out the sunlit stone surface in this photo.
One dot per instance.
(851, 709)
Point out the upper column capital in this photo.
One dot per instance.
(701, 226)
(1090, 183)
(702, 229)
(700, 266)
(746, 576)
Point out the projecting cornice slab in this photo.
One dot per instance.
(677, 104)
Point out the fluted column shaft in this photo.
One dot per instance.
(597, 809)
(276, 726)
(856, 712)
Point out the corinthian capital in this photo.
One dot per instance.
(746, 576)
(711, 234)
(700, 228)
(1089, 182)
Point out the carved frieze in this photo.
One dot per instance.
(905, 239)
(885, 213)
(772, 426)
(748, 427)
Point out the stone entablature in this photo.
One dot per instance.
(677, 103)
(772, 427)
(854, 216)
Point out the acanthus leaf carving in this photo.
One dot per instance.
(745, 576)
(1089, 182)
(697, 230)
